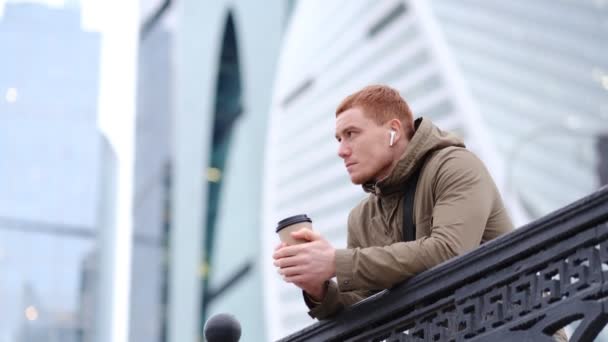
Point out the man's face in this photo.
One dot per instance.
(364, 146)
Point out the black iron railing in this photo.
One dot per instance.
(523, 286)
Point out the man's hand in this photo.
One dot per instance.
(307, 265)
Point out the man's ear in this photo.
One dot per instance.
(395, 125)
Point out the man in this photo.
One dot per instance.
(456, 205)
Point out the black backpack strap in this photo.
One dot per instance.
(409, 226)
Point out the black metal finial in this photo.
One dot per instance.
(222, 328)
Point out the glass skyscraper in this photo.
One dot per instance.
(49, 148)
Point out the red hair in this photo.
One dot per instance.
(381, 103)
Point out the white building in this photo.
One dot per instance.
(231, 129)
(226, 61)
(523, 83)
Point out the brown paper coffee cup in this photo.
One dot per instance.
(291, 224)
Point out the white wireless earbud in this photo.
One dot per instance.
(390, 143)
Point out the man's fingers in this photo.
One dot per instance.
(287, 251)
(287, 262)
(279, 246)
(291, 271)
(306, 234)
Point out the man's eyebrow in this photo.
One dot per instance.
(340, 132)
(346, 128)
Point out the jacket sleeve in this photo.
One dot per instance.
(335, 301)
(463, 192)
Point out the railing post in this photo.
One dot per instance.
(222, 328)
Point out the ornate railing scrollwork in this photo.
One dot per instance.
(523, 286)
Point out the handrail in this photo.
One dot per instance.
(525, 284)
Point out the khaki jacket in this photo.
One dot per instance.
(457, 207)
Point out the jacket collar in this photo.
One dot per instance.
(427, 138)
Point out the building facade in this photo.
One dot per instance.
(233, 130)
(226, 53)
(522, 83)
(50, 146)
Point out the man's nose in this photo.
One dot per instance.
(343, 150)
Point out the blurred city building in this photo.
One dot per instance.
(226, 61)
(234, 130)
(539, 75)
(49, 219)
(49, 147)
(524, 83)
